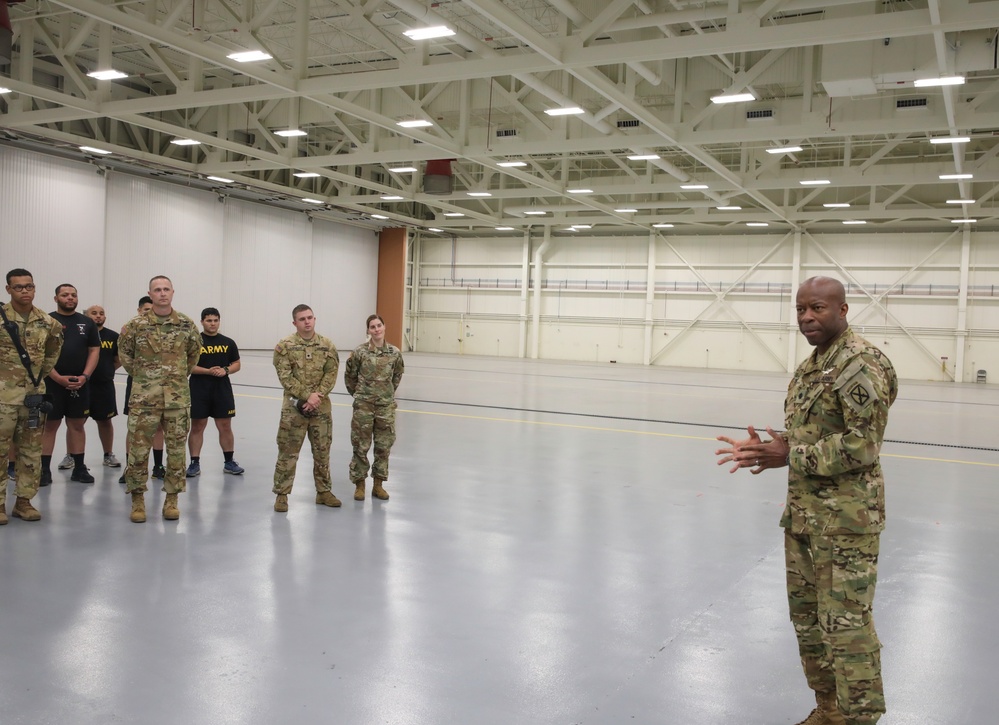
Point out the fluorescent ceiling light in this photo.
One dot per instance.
(107, 75)
(626, 211)
(185, 142)
(691, 187)
(391, 198)
(663, 226)
(91, 149)
(960, 201)
(945, 81)
(436, 31)
(955, 177)
(814, 182)
(504, 229)
(511, 164)
(582, 226)
(453, 213)
(435, 229)
(535, 213)
(570, 229)
(569, 111)
(579, 191)
(733, 98)
(414, 123)
(305, 174)
(378, 216)
(312, 201)
(757, 224)
(837, 205)
(785, 150)
(951, 139)
(289, 132)
(728, 208)
(4, 90)
(478, 193)
(854, 221)
(248, 56)
(963, 221)
(220, 179)
(403, 169)
(643, 157)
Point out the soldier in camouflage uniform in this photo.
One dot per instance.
(41, 338)
(372, 376)
(158, 349)
(306, 364)
(836, 411)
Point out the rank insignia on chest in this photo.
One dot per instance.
(308, 354)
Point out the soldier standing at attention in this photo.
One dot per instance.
(158, 349)
(306, 364)
(372, 375)
(211, 393)
(835, 412)
(145, 304)
(103, 400)
(30, 344)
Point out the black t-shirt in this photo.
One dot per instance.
(104, 372)
(79, 335)
(216, 350)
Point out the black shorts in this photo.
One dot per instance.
(211, 397)
(103, 401)
(65, 404)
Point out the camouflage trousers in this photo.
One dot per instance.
(14, 431)
(830, 593)
(142, 425)
(371, 422)
(291, 434)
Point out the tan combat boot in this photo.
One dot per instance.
(170, 510)
(377, 491)
(3, 513)
(326, 498)
(138, 515)
(281, 504)
(24, 510)
(826, 712)
(358, 490)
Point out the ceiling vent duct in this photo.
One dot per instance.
(911, 103)
(629, 123)
(760, 114)
(505, 132)
(438, 178)
(6, 31)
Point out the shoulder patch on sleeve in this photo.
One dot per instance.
(859, 393)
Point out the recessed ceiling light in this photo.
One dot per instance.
(663, 226)
(403, 169)
(579, 191)
(414, 123)
(378, 216)
(757, 224)
(436, 31)
(248, 56)
(435, 229)
(478, 193)
(306, 174)
(453, 213)
(626, 211)
(814, 182)
(692, 187)
(535, 213)
(963, 221)
(289, 132)
(950, 139)
(391, 198)
(643, 157)
(568, 111)
(733, 98)
(220, 179)
(185, 142)
(312, 201)
(511, 164)
(504, 229)
(955, 177)
(728, 208)
(92, 150)
(107, 75)
(785, 150)
(960, 201)
(945, 81)
(837, 205)
(854, 221)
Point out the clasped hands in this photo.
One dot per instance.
(753, 452)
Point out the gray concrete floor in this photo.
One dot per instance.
(560, 547)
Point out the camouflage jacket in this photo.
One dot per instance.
(836, 411)
(373, 374)
(41, 337)
(159, 354)
(305, 367)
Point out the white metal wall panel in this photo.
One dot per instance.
(52, 223)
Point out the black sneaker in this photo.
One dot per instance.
(159, 471)
(46, 479)
(122, 479)
(81, 475)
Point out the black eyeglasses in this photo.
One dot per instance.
(23, 287)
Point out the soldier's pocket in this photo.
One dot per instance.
(854, 576)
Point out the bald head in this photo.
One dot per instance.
(821, 307)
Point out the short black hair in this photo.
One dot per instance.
(145, 300)
(210, 311)
(299, 308)
(18, 272)
(64, 284)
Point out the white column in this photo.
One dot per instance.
(650, 298)
(792, 327)
(525, 286)
(961, 332)
(539, 258)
